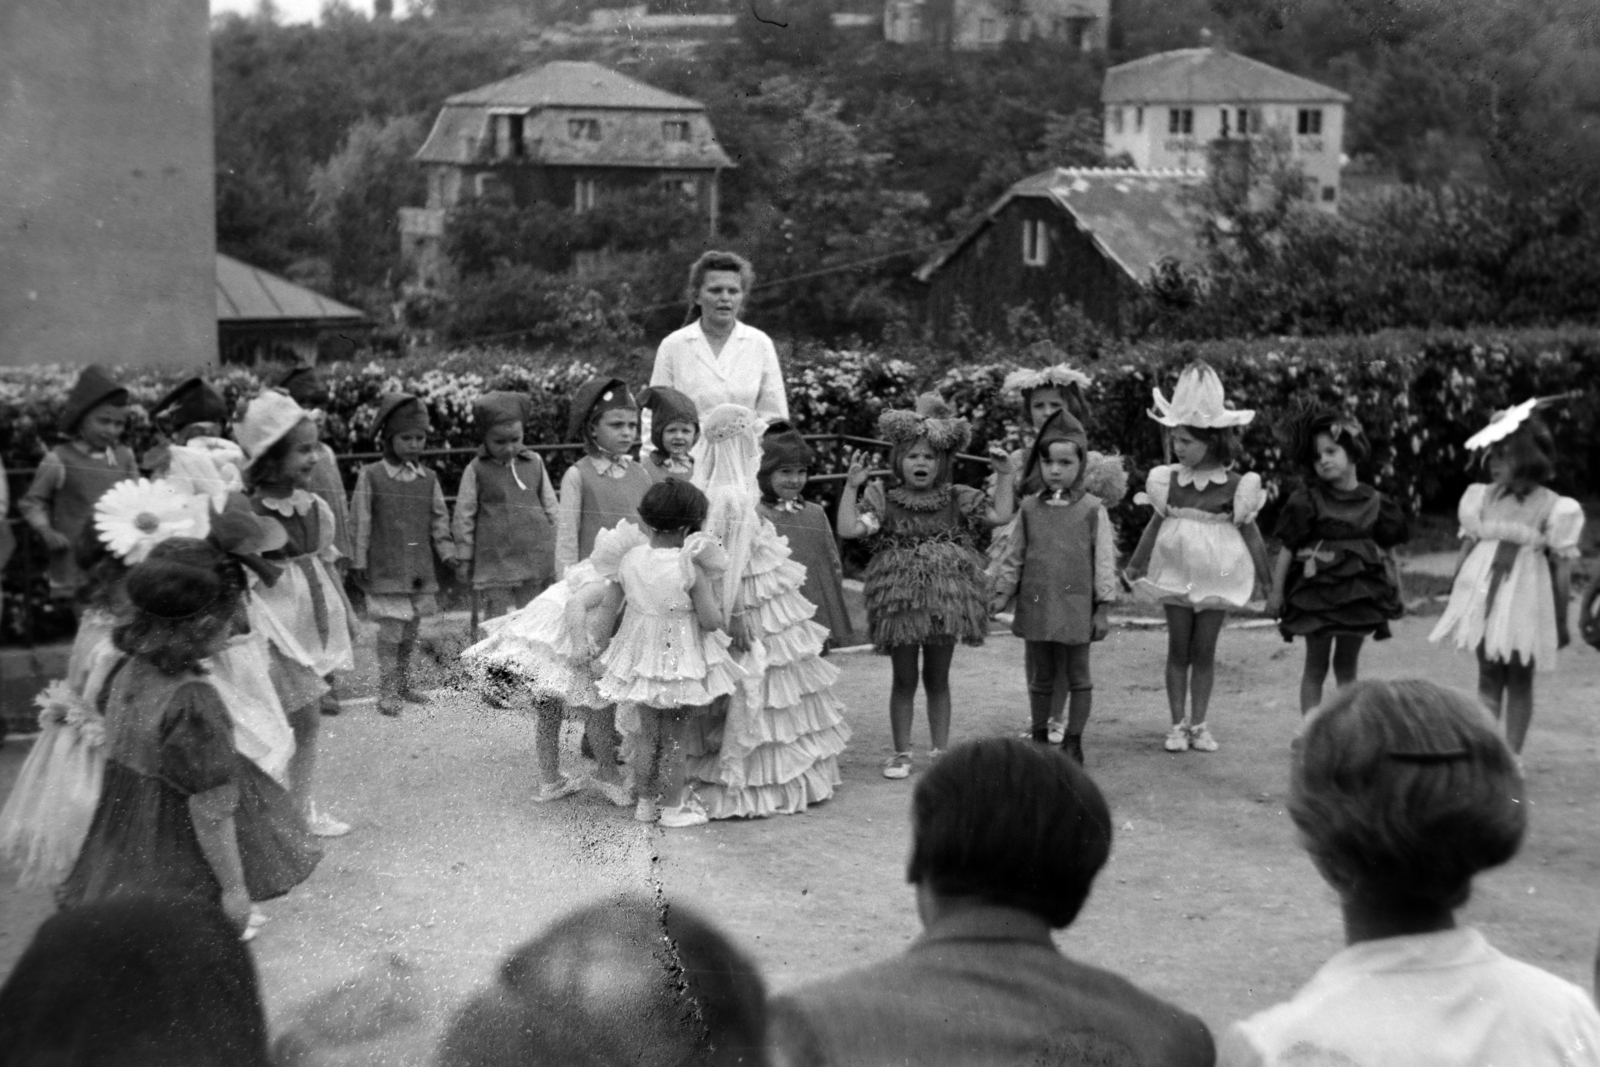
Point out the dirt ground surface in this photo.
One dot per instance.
(1206, 900)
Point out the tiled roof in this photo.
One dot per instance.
(1136, 218)
(567, 83)
(250, 294)
(1209, 76)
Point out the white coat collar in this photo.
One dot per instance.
(719, 365)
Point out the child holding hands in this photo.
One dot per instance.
(1061, 566)
(398, 522)
(1201, 552)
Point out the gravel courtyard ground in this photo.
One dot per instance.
(1206, 900)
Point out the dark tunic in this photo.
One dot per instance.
(1055, 597)
(1341, 538)
(607, 501)
(86, 479)
(811, 543)
(400, 555)
(514, 541)
(169, 738)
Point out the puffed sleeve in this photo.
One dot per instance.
(1295, 520)
(1105, 558)
(701, 552)
(873, 504)
(1249, 497)
(1469, 513)
(611, 545)
(197, 753)
(1564, 528)
(1156, 485)
(1392, 527)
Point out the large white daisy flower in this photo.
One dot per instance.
(134, 517)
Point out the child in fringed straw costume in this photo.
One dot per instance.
(398, 524)
(785, 461)
(775, 751)
(1061, 566)
(1509, 601)
(926, 587)
(1201, 552)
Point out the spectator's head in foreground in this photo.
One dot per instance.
(1011, 823)
(626, 981)
(134, 982)
(1403, 791)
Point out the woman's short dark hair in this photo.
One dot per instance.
(1531, 451)
(674, 505)
(626, 980)
(1403, 791)
(142, 981)
(1013, 823)
(1222, 442)
(718, 260)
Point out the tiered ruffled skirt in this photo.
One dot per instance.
(776, 751)
(535, 644)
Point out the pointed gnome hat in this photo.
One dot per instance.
(399, 413)
(492, 409)
(190, 401)
(593, 396)
(1061, 426)
(782, 446)
(95, 386)
(1197, 401)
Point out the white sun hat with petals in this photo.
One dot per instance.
(1503, 424)
(133, 517)
(1197, 401)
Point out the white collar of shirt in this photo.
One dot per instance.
(718, 359)
(789, 505)
(1202, 477)
(298, 502)
(677, 464)
(409, 471)
(608, 465)
(108, 454)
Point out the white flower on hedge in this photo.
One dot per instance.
(133, 517)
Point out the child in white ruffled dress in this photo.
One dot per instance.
(1509, 601)
(1201, 553)
(670, 657)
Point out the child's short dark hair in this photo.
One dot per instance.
(1531, 450)
(178, 598)
(1344, 431)
(1403, 791)
(674, 505)
(1010, 823)
(1222, 442)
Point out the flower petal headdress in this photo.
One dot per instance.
(1019, 383)
(133, 517)
(932, 418)
(1197, 401)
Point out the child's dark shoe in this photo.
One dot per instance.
(1072, 745)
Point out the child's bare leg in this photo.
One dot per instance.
(305, 723)
(1319, 650)
(1491, 682)
(1080, 685)
(647, 776)
(1180, 632)
(672, 758)
(1203, 661)
(547, 742)
(936, 685)
(1346, 658)
(1519, 702)
(599, 726)
(902, 694)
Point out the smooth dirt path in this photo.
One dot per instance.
(1206, 900)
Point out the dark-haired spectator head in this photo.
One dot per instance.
(1403, 791)
(625, 981)
(1006, 822)
(672, 506)
(134, 982)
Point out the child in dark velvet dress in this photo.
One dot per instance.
(1332, 582)
(1061, 566)
(181, 813)
(785, 459)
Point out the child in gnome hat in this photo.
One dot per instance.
(398, 523)
(674, 431)
(504, 523)
(606, 485)
(59, 504)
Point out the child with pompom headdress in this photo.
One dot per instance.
(926, 588)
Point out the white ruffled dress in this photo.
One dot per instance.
(660, 657)
(534, 642)
(1517, 615)
(1200, 559)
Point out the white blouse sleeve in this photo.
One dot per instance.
(1564, 528)
(1156, 485)
(1248, 499)
(1469, 513)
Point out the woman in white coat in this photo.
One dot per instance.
(716, 359)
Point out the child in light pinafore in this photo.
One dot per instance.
(1519, 537)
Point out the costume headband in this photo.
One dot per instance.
(1505, 423)
(932, 418)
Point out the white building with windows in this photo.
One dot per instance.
(1165, 110)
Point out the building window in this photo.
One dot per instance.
(1329, 193)
(1180, 120)
(1138, 119)
(584, 195)
(583, 129)
(674, 130)
(1309, 122)
(1249, 121)
(1035, 242)
(1116, 119)
(1078, 33)
(490, 187)
(514, 136)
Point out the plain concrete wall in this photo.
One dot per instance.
(107, 223)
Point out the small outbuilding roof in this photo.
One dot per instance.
(1136, 218)
(250, 294)
(1209, 76)
(569, 83)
